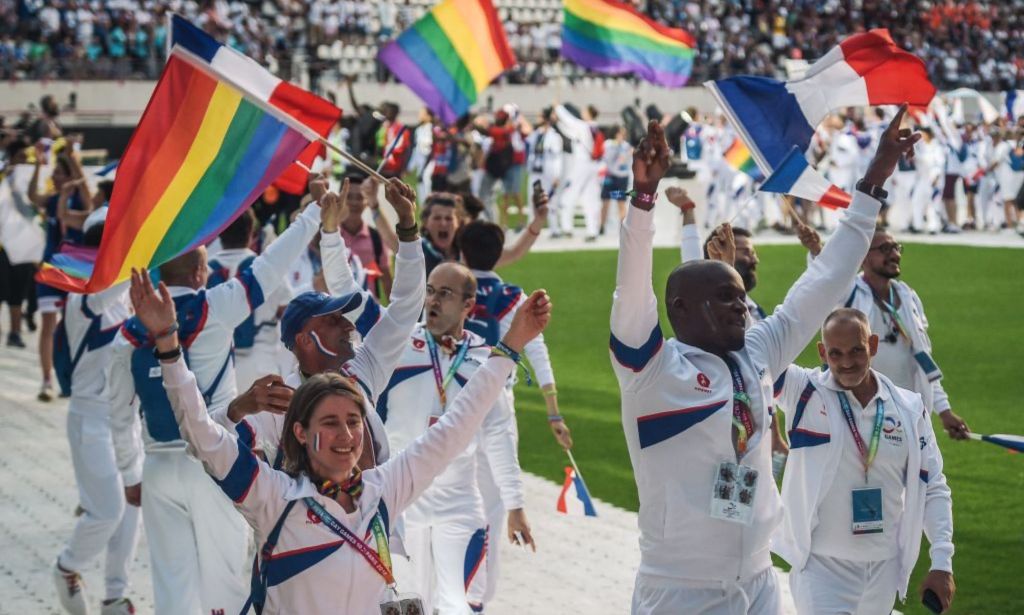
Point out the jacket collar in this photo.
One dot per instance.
(828, 381)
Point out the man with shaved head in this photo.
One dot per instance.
(897, 315)
(696, 408)
(864, 478)
(446, 530)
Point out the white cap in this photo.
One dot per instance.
(97, 217)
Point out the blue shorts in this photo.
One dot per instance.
(614, 184)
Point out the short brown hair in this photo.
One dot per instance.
(300, 410)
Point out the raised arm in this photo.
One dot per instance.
(252, 485)
(690, 248)
(526, 239)
(333, 252)
(384, 344)
(573, 127)
(69, 217)
(233, 301)
(406, 475)
(779, 338)
(636, 336)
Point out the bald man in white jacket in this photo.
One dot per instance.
(863, 479)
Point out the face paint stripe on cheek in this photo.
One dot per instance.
(320, 346)
(316, 442)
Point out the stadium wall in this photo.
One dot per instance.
(121, 103)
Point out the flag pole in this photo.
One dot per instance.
(391, 148)
(353, 159)
(576, 468)
(743, 207)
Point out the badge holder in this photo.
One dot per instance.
(732, 493)
(402, 604)
(867, 511)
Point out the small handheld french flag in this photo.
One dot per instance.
(796, 177)
(574, 498)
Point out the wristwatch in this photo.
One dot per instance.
(873, 191)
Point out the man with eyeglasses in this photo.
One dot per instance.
(445, 530)
(897, 317)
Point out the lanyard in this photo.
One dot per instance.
(867, 453)
(742, 418)
(890, 309)
(379, 561)
(442, 382)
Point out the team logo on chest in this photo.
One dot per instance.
(418, 344)
(703, 383)
(312, 517)
(892, 430)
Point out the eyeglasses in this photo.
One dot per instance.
(444, 294)
(888, 248)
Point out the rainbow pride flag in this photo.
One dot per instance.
(614, 37)
(450, 55)
(738, 156)
(217, 131)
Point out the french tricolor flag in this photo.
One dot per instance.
(574, 498)
(773, 116)
(796, 177)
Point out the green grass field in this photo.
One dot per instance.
(972, 298)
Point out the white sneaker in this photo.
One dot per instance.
(71, 590)
(45, 392)
(121, 606)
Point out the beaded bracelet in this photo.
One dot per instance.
(643, 198)
(406, 232)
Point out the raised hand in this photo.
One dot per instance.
(402, 199)
(809, 238)
(678, 197)
(650, 160)
(154, 309)
(268, 393)
(334, 208)
(530, 320)
(722, 246)
(893, 143)
(317, 187)
(368, 190)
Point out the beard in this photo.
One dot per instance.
(748, 275)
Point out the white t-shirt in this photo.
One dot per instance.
(833, 536)
(894, 359)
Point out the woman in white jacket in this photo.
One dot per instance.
(330, 553)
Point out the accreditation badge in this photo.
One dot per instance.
(867, 511)
(403, 604)
(732, 493)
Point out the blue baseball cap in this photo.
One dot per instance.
(311, 304)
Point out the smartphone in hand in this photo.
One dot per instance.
(931, 601)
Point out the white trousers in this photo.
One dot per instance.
(197, 540)
(485, 587)
(444, 560)
(924, 198)
(832, 586)
(582, 187)
(757, 596)
(107, 523)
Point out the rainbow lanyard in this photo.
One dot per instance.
(867, 453)
(742, 417)
(890, 309)
(442, 382)
(379, 561)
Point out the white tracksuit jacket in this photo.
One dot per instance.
(808, 397)
(381, 350)
(406, 407)
(678, 430)
(312, 570)
(911, 312)
(227, 306)
(261, 358)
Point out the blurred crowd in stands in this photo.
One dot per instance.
(965, 43)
